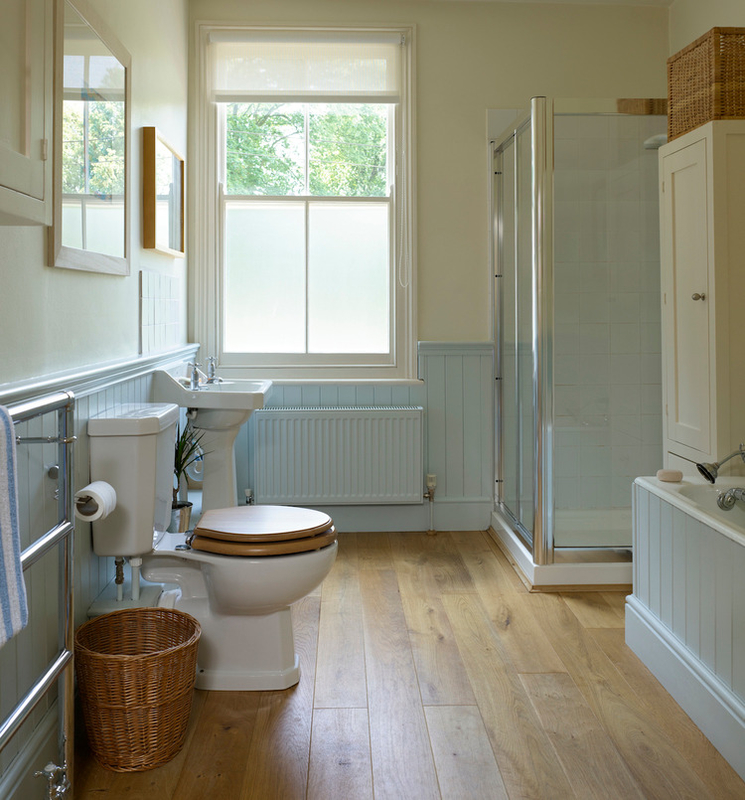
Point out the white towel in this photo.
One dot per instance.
(13, 607)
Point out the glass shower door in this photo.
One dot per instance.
(514, 313)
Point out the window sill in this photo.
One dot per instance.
(348, 381)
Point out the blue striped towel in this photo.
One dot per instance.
(13, 607)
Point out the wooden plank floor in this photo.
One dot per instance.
(429, 671)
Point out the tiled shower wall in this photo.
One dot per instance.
(607, 367)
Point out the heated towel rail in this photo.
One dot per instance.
(59, 535)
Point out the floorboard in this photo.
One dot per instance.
(429, 671)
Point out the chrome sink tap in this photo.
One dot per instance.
(727, 500)
(212, 370)
(710, 471)
(195, 378)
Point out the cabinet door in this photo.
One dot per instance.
(686, 287)
(25, 94)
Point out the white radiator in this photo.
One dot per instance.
(338, 456)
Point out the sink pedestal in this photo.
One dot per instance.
(219, 430)
(217, 410)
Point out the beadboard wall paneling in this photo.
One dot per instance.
(459, 397)
(456, 392)
(686, 617)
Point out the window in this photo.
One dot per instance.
(93, 142)
(313, 273)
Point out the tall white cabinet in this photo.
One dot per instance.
(702, 210)
(26, 46)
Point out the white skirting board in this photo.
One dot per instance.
(708, 702)
(584, 574)
(469, 515)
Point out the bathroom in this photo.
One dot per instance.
(84, 329)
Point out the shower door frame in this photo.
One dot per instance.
(540, 119)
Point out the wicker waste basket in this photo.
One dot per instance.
(136, 670)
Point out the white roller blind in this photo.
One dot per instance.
(306, 66)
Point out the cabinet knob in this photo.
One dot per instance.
(697, 296)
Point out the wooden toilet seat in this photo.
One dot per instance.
(263, 531)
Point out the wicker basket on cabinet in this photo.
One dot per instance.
(706, 81)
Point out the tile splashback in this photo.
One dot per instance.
(159, 312)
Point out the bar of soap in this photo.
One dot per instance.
(669, 475)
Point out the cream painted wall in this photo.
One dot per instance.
(472, 57)
(690, 19)
(53, 320)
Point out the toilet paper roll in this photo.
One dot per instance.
(95, 501)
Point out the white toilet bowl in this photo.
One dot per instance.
(243, 605)
(246, 565)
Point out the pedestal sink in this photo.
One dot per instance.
(218, 410)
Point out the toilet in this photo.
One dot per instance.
(238, 573)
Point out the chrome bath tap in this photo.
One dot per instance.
(727, 500)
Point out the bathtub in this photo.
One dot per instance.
(686, 616)
(698, 499)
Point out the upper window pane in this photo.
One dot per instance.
(265, 148)
(348, 146)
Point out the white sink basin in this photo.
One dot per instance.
(235, 395)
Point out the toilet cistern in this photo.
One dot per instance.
(219, 409)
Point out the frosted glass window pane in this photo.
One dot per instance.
(104, 230)
(72, 224)
(348, 278)
(93, 224)
(264, 301)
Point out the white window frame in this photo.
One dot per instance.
(206, 279)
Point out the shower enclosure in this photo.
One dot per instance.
(577, 324)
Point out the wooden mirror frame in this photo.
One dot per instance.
(61, 255)
(151, 139)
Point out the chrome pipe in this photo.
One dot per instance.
(43, 544)
(42, 685)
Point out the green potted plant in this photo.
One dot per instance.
(186, 453)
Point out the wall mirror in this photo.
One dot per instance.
(91, 183)
(162, 195)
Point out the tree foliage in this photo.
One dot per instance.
(347, 147)
(105, 145)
